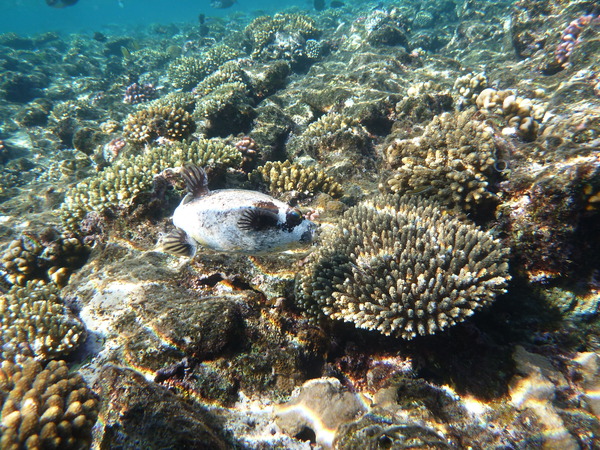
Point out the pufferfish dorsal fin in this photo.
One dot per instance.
(178, 243)
(258, 219)
(195, 179)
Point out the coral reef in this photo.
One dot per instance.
(469, 86)
(35, 322)
(45, 407)
(187, 71)
(281, 36)
(452, 161)
(403, 268)
(303, 181)
(139, 93)
(46, 257)
(147, 125)
(118, 185)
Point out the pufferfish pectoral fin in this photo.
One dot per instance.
(195, 179)
(179, 243)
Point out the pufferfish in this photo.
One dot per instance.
(233, 220)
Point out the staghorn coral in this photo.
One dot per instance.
(45, 407)
(149, 124)
(48, 257)
(187, 71)
(304, 181)
(35, 322)
(451, 161)
(118, 185)
(402, 267)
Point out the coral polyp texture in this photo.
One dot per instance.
(45, 407)
(266, 30)
(187, 71)
(402, 267)
(305, 181)
(452, 161)
(34, 321)
(147, 125)
(118, 185)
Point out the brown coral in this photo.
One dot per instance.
(147, 125)
(402, 267)
(45, 407)
(452, 161)
(304, 181)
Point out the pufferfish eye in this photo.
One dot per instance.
(293, 217)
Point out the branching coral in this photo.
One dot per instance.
(45, 407)
(35, 322)
(118, 185)
(187, 71)
(402, 267)
(304, 181)
(451, 161)
(149, 124)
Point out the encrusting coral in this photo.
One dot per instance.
(118, 185)
(305, 181)
(452, 160)
(35, 322)
(45, 407)
(149, 124)
(402, 267)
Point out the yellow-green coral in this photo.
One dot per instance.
(45, 407)
(402, 267)
(153, 122)
(287, 177)
(187, 71)
(35, 322)
(117, 185)
(451, 161)
(230, 72)
(261, 30)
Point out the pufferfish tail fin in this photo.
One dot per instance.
(195, 179)
(178, 243)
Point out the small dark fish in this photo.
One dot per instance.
(201, 19)
(222, 4)
(61, 3)
(336, 4)
(319, 5)
(100, 37)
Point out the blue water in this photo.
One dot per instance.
(34, 16)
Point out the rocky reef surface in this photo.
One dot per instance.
(448, 150)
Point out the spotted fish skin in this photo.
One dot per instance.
(234, 221)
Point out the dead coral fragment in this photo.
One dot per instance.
(403, 267)
(45, 407)
(451, 161)
(147, 125)
(306, 181)
(34, 321)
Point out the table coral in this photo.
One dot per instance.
(402, 267)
